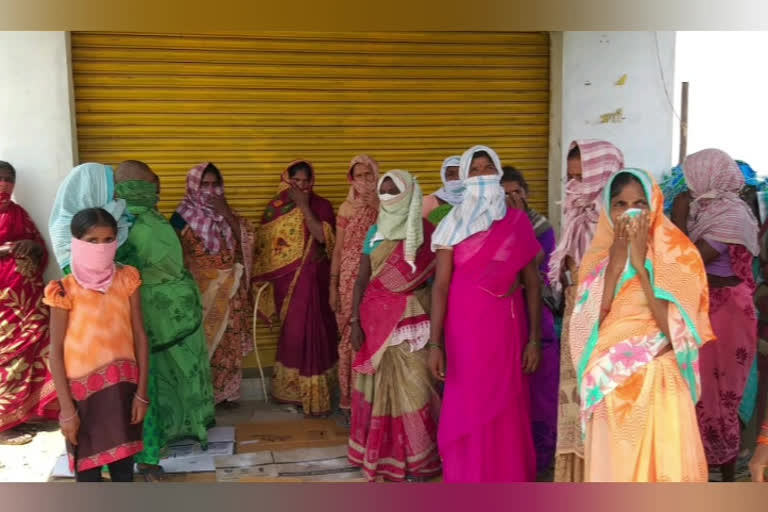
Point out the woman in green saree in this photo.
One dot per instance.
(180, 386)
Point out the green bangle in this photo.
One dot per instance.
(435, 345)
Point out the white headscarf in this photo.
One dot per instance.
(87, 186)
(452, 191)
(483, 203)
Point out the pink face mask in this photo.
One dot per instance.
(93, 265)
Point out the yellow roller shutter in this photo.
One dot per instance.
(253, 102)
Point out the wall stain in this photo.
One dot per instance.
(621, 81)
(613, 117)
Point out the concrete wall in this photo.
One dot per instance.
(612, 89)
(37, 133)
(608, 85)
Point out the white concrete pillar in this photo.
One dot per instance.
(37, 126)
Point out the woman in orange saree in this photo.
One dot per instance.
(26, 384)
(640, 316)
(293, 254)
(356, 216)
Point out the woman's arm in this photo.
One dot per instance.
(141, 350)
(363, 278)
(532, 284)
(70, 423)
(314, 225)
(440, 289)
(680, 210)
(708, 253)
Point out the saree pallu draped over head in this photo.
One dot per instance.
(284, 244)
(296, 268)
(25, 376)
(608, 355)
(356, 216)
(88, 185)
(583, 202)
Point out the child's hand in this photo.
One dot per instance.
(70, 428)
(138, 411)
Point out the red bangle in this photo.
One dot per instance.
(763, 440)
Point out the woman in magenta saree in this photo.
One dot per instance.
(293, 254)
(485, 255)
(26, 384)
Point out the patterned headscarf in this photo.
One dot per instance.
(718, 212)
(197, 211)
(583, 203)
(484, 203)
(400, 216)
(452, 191)
(89, 185)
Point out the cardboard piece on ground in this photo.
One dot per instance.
(61, 469)
(309, 433)
(186, 456)
(327, 464)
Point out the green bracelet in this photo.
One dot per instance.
(435, 345)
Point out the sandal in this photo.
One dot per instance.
(152, 473)
(15, 438)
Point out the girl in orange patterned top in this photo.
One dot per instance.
(99, 354)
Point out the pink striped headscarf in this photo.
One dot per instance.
(196, 209)
(718, 212)
(583, 201)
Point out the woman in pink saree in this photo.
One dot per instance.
(725, 231)
(485, 259)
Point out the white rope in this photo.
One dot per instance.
(256, 345)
